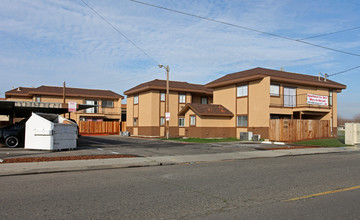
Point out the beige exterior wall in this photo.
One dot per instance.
(226, 96)
(259, 102)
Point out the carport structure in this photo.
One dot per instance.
(23, 109)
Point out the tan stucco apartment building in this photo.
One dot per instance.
(146, 106)
(241, 102)
(109, 102)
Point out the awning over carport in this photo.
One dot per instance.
(22, 109)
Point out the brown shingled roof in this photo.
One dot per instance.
(275, 75)
(58, 91)
(206, 110)
(173, 86)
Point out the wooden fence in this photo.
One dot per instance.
(298, 130)
(99, 127)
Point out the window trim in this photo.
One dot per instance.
(107, 100)
(182, 95)
(204, 97)
(162, 117)
(161, 95)
(237, 121)
(237, 90)
(273, 94)
(331, 93)
(137, 99)
(183, 119)
(190, 123)
(136, 119)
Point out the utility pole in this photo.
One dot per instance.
(64, 92)
(167, 106)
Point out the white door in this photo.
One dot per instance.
(289, 97)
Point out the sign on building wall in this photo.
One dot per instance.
(72, 106)
(317, 99)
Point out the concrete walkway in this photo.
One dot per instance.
(7, 169)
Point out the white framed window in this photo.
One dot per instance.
(91, 110)
(289, 97)
(107, 103)
(204, 100)
(242, 121)
(330, 98)
(162, 96)
(193, 120)
(135, 122)
(242, 91)
(181, 122)
(162, 121)
(182, 98)
(38, 98)
(136, 99)
(274, 90)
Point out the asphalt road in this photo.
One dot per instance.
(243, 189)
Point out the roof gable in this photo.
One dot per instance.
(276, 75)
(206, 110)
(58, 91)
(173, 86)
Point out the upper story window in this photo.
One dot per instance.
(136, 99)
(162, 96)
(274, 90)
(37, 98)
(330, 98)
(162, 121)
(91, 110)
(182, 98)
(107, 103)
(204, 100)
(242, 91)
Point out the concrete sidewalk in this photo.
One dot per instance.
(7, 169)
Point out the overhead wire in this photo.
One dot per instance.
(246, 28)
(118, 31)
(344, 71)
(335, 32)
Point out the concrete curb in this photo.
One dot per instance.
(96, 164)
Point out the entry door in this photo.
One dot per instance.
(289, 97)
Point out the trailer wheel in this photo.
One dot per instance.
(12, 141)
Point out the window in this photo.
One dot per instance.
(107, 103)
(242, 121)
(162, 121)
(181, 122)
(330, 97)
(91, 110)
(274, 90)
(135, 122)
(162, 96)
(38, 98)
(193, 120)
(182, 98)
(242, 90)
(204, 100)
(136, 99)
(289, 97)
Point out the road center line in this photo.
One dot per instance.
(323, 193)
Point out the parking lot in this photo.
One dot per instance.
(114, 144)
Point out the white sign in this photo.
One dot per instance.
(167, 116)
(317, 99)
(72, 106)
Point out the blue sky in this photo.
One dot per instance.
(48, 42)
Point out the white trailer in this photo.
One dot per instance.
(50, 132)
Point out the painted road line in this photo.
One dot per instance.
(323, 193)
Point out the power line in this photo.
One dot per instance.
(335, 32)
(118, 31)
(343, 71)
(245, 28)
